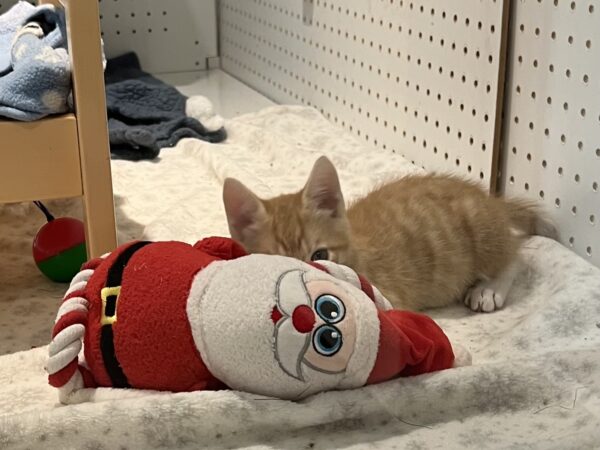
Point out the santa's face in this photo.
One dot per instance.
(277, 326)
(315, 325)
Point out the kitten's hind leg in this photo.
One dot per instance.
(490, 295)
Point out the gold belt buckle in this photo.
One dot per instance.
(105, 293)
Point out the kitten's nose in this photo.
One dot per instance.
(303, 319)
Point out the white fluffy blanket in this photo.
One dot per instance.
(535, 379)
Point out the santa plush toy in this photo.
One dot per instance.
(170, 316)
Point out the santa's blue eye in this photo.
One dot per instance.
(327, 340)
(330, 308)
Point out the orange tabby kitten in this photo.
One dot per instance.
(424, 241)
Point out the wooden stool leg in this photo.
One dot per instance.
(85, 51)
(99, 212)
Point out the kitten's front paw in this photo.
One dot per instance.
(481, 298)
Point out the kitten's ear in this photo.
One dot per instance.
(245, 211)
(322, 192)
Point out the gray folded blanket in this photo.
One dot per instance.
(146, 114)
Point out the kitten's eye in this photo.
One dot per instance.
(327, 340)
(320, 255)
(330, 308)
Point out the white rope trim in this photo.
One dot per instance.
(65, 338)
(84, 275)
(72, 304)
(63, 357)
(80, 285)
(70, 387)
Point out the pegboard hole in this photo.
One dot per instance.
(557, 202)
(577, 178)
(574, 210)
(592, 219)
(595, 186)
(560, 171)
(542, 194)
(571, 241)
(512, 180)
(588, 250)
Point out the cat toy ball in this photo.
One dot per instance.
(59, 247)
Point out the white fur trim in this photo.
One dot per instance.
(201, 109)
(380, 301)
(462, 357)
(341, 272)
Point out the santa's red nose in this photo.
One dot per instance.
(303, 319)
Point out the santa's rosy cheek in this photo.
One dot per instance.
(276, 315)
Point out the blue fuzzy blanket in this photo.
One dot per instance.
(35, 75)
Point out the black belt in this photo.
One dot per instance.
(110, 297)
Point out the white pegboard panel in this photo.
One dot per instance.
(168, 36)
(421, 78)
(551, 149)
